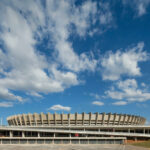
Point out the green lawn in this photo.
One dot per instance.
(143, 144)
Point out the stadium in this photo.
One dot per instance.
(84, 128)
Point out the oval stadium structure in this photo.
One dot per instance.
(75, 119)
(83, 128)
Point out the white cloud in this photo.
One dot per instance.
(7, 95)
(98, 103)
(84, 16)
(6, 104)
(105, 14)
(96, 96)
(120, 103)
(143, 84)
(24, 24)
(128, 90)
(22, 66)
(105, 19)
(129, 83)
(59, 107)
(123, 63)
(34, 94)
(140, 6)
(61, 16)
(27, 67)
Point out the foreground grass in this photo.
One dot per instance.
(145, 144)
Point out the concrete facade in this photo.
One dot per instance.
(91, 128)
(75, 119)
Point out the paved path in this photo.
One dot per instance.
(70, 147)
(130, 147)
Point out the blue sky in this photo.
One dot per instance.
(74, 56)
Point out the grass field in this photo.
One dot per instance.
(142, 144)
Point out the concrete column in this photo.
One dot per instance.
(76, 114)
(38, 134)
(96, 119)
(113, 129)
(23, 134)
(62, 123)
(103, 118)
(48, 118)
(124, 119)
(10, 133)
(144, 130)
(16, 120)
(134, 122)
(138, 120)
(29, 118)
(114, 118)
(129, 116)
(24, 118)
(129, 130)
(70, 135)
(119, 119)
(35, 118)
(54, 135)
(132, 119)
(69, 119)
(109, 117)
(20, 119)
(83, 114)
(54, 118)
(90, 117)
(41, 116)
(13, 121)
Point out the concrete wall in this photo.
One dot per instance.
(62, 141)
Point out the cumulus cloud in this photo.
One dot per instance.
(35, 94)
(62, 15)
(7, 95)
(26, 66)
(59, 107)
(128, 90)
(123, 63)
(24, 24)
(105, 19)
(143, 84)
(98, 103)
(6, 104)
(96, 96)
(105, 14)
(140, 6)
(120, 103)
